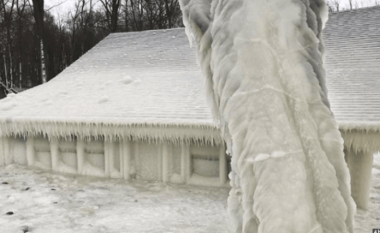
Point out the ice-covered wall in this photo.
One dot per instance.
(263, 64)
(194, 164)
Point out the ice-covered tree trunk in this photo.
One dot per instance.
(262, 60)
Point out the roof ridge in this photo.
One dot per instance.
(150, 30)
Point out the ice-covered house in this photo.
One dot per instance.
(132, 107)
(135, 107)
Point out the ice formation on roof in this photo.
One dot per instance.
(263, 65)
(353, 65)
(167, 90)
(122, 89)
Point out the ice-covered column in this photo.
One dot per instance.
(222, 165)
(2, 152)
(185, 154)
(8, 158)
(360, 166)
(165, 162)
(30, 152)
(80, 155)
(117, 163)
(186, 161)
(54, 150)
(126, 151)
(108, 157)
(111, 158)
(159, 162)
(262, 61)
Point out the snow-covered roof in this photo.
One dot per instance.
(352, 40)
(146, 77)
(132, 82)
(128, 80)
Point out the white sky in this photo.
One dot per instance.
(68, 5)
(62, 7)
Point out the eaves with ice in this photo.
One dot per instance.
(148, 86)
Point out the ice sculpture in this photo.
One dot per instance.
(262, 60)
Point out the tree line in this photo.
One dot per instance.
(35, 46)
(336, 5)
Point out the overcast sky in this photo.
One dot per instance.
(66, 5)
(61, 7)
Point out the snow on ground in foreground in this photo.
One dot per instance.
(62, 203)
(48, 202)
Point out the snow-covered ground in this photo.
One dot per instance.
(50, 202)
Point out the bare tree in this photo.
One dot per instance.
(74, 22)
(20, 7)
(137, 14)
(112, 8)
(38, 12)
(337, 4)
(7, 8)
(172, 8)
(151, 14)
(330, 6)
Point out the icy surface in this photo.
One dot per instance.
(152, 77)
(130, 78)
(87, 205)
(353, 65)
(49, 202)
(262, 61)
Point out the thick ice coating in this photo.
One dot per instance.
(262, 60)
